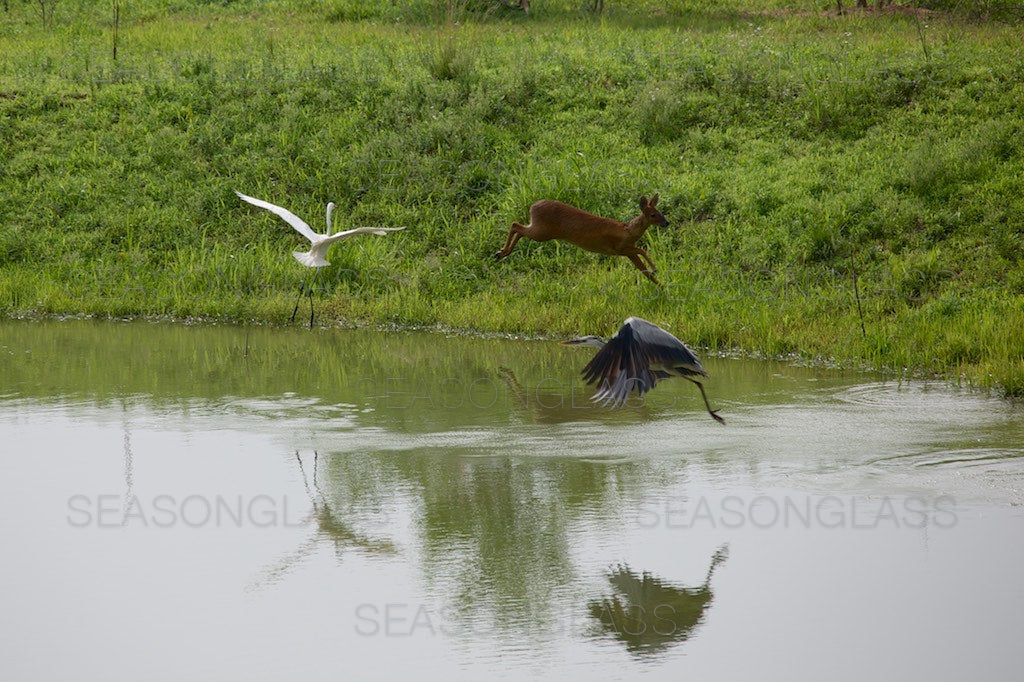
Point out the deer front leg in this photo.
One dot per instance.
(641, 260)
(642, 267)
(515, 233)
(643, 254)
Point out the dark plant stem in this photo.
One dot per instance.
(920, 34)
(856, 296)
(117, 23)
(46, 11)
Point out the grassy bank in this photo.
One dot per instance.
(791, 150)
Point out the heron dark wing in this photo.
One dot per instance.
(620, 367)
(662, 351)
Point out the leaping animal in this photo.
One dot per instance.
(550, 219)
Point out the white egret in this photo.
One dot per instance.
(319, 243)
(638, 356)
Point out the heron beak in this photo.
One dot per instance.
(571, 342)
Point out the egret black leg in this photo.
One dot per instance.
(302, 288)
(311, 289)
(704, 395)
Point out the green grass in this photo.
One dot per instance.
(789, 148)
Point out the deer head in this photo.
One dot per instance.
(648, 207)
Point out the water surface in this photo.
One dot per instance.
(230, 503)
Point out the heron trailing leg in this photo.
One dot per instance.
(706, 403)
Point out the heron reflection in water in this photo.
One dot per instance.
(647, 614)
(329, 526)
(556, 406)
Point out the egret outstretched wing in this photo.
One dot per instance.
(295, 221)
(359, 230)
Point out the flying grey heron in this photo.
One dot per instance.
(637, 356)
(319, 243)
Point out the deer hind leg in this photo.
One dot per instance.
(515, 233)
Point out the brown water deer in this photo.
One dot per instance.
(551, 219)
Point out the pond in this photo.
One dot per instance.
(219, 502)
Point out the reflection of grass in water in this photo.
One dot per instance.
(405, 382)
(494, 527)
(495, 531)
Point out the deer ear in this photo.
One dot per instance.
(643, 203)
(654, 200)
